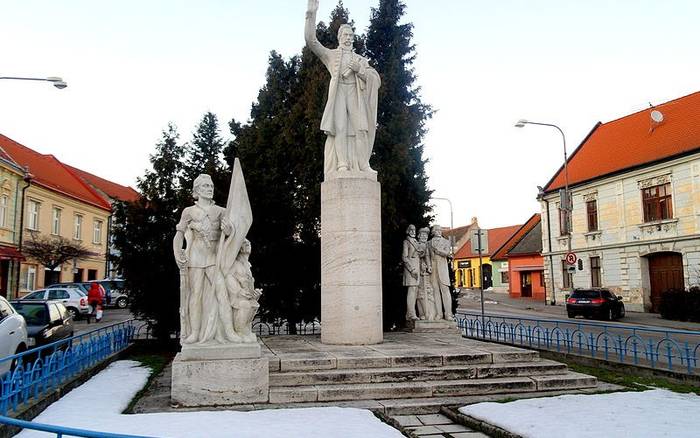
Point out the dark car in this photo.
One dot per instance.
(595, 303)
(47, 321)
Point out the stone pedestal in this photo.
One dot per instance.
(220, 375)
(424, 326)
(351, 259)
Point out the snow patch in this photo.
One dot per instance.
(656, 413)
(98, 403)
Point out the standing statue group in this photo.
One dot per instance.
(426, 275)
(218, 300)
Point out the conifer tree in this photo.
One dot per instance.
(143, 233)
(204, 155)
(398, 148)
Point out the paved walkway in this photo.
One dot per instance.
(502, 303)
(435, 426)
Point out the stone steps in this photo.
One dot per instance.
(415, 374)
(427, 389)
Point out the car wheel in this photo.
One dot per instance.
(622, 311)
(122, 303)
(73, 313)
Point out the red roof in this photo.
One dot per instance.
(50, 173)
(500, 253)
(497, 236)
(635, 140)
(109, 188)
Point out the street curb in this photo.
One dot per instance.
(489, 429)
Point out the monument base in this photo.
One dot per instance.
(220, 375)
(351, 259)
(426, 326)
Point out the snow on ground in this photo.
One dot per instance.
(655, 413)
(97, 405)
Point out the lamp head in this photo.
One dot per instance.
(521, 123)
(57, 82)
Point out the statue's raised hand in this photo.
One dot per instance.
(312, 6)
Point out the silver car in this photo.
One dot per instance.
(73, 298)
(13, 334)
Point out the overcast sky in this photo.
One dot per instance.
(133, 66)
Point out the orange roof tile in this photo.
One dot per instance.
(497, 236)
(109, 188)
(634, 140)
(50, 173)
(500, 253)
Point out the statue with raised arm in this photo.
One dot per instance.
(350, 115)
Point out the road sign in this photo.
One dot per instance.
(484, 240)
(571, 258)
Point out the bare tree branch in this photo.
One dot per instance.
(52, 251)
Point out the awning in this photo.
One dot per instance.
(529, 268)
(10, 253)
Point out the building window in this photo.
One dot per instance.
(564, 222)
(595, 272)
(78, 227)
(56, 221)
(33, 215)
(592, 213)
(92, 274)
(3, 210)
(567, 277)
(657, 203)
(97, 232)
(504, 278)
(31, 277)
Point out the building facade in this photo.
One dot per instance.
(467, 262)
(11, 183)
(634, 224)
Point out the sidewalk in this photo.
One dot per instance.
(502, 303)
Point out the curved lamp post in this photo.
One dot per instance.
(521, 124)
(56, 81)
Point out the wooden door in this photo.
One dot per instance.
(665, 273)
(525, 284)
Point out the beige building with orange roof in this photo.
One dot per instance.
(635, 221)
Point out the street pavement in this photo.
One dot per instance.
(503, 304)
(110, 316)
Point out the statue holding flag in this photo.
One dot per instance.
(217, 296)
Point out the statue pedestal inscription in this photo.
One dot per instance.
(351, 256)
(220, 375)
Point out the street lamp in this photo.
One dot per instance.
(56, 81)
(566, 205)
(452, 238)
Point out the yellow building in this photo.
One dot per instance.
(11, 182)
(466, 262)
(57, 202)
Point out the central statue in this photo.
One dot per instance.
(350, 116)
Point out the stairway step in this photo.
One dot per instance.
(403, 374)
(426, 389)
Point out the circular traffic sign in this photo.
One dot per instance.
(571, 258)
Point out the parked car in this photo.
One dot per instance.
(600, 303)
(83, 287)
(13, 334)
(47, 321)
(117, 295)
(73, 298)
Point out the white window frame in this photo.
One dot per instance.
(31, 274)
(56, 221)
(97, 231)
(34, 209)
(4, 200)
(78, 227)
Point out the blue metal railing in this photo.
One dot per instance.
(61, 431)
(675, 350)
(37, 371)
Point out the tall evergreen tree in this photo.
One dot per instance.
(398, 148)
(204, 155)
(143, 232)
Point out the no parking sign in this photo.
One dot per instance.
(571, 258)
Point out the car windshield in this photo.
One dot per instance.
(586, 294)
(34, 314)
(35, 296)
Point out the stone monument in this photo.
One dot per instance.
(432, 295)
(351, 279)
(220, 361)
